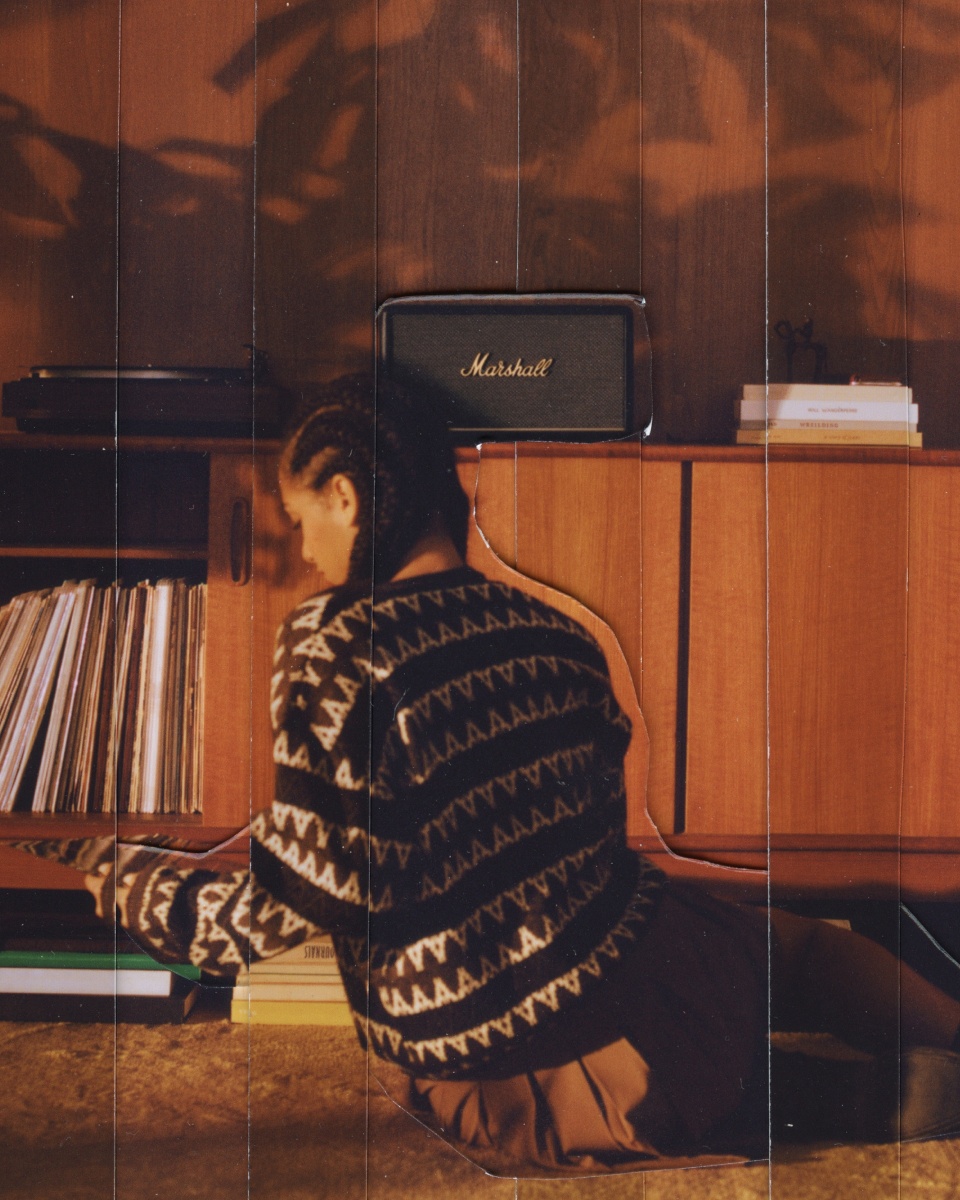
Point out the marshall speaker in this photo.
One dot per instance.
(517, 367)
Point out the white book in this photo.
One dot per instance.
(84, 981)
(828, 422)
(257, 990)
(816, 401)
(305, 972)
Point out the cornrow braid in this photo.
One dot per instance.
(395, 451)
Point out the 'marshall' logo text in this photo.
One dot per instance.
(482, 368)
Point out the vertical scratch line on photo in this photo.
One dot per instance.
(517, 35)
(116, 534)
(766, 530)
(904, 295)
(640, 151)
(253, 359)
(376, 289)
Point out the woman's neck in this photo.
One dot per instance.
(434, 552)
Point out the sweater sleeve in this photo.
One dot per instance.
(311, 845)
(180, 907)
(308, 851)
(309, 848)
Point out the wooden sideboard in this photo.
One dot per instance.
(789, 622)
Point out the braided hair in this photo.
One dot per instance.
(395, 451)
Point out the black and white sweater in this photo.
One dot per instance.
(449, 804)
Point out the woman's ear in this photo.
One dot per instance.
(344, 502)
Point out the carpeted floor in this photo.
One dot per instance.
(218, 1112)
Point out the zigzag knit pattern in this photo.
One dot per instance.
(450, 804)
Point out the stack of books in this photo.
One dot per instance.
(821, 414)
(101, 704)
(64, 967)
(301, 986)
(50, 985)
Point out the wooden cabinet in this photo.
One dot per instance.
(602, 524)
(799, 608)
(931, 756)
(824, 630)
(84, 507)
(789, 624)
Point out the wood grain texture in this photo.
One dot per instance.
(636, 762)
(838, 611)
(447, 148)
(727, 709)
(932, 751)
(58, 184)
(602, 529)
(491, 484)
(280, 579)
(315, 70)
(579, 113)
(184, 187)
(579, 529)
(656, 679)
(931, 154)
(703, 209)
(18, 870)
(836, 249)
(230, 733)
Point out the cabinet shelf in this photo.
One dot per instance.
(158, 553)
(189, 830)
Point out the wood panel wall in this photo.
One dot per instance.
(180, 180)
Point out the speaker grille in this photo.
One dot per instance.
(514, 366)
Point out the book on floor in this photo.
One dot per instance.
(101, 1009)
(284, 1012)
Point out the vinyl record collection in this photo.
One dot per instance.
(101, 698)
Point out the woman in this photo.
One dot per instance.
(450, 806)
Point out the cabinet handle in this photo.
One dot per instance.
(240, 542)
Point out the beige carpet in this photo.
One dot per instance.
(219, 1112)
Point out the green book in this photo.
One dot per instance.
(97, 960)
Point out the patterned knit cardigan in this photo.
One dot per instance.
(449, 804)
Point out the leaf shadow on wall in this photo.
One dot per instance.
(741, 191)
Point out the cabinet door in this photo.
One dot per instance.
(604, 529)
(726, 725)
(228, 719)
(932, 752)
(280, 580)
(797, 643)
(837, 611)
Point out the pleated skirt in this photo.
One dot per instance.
(680, 1037)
